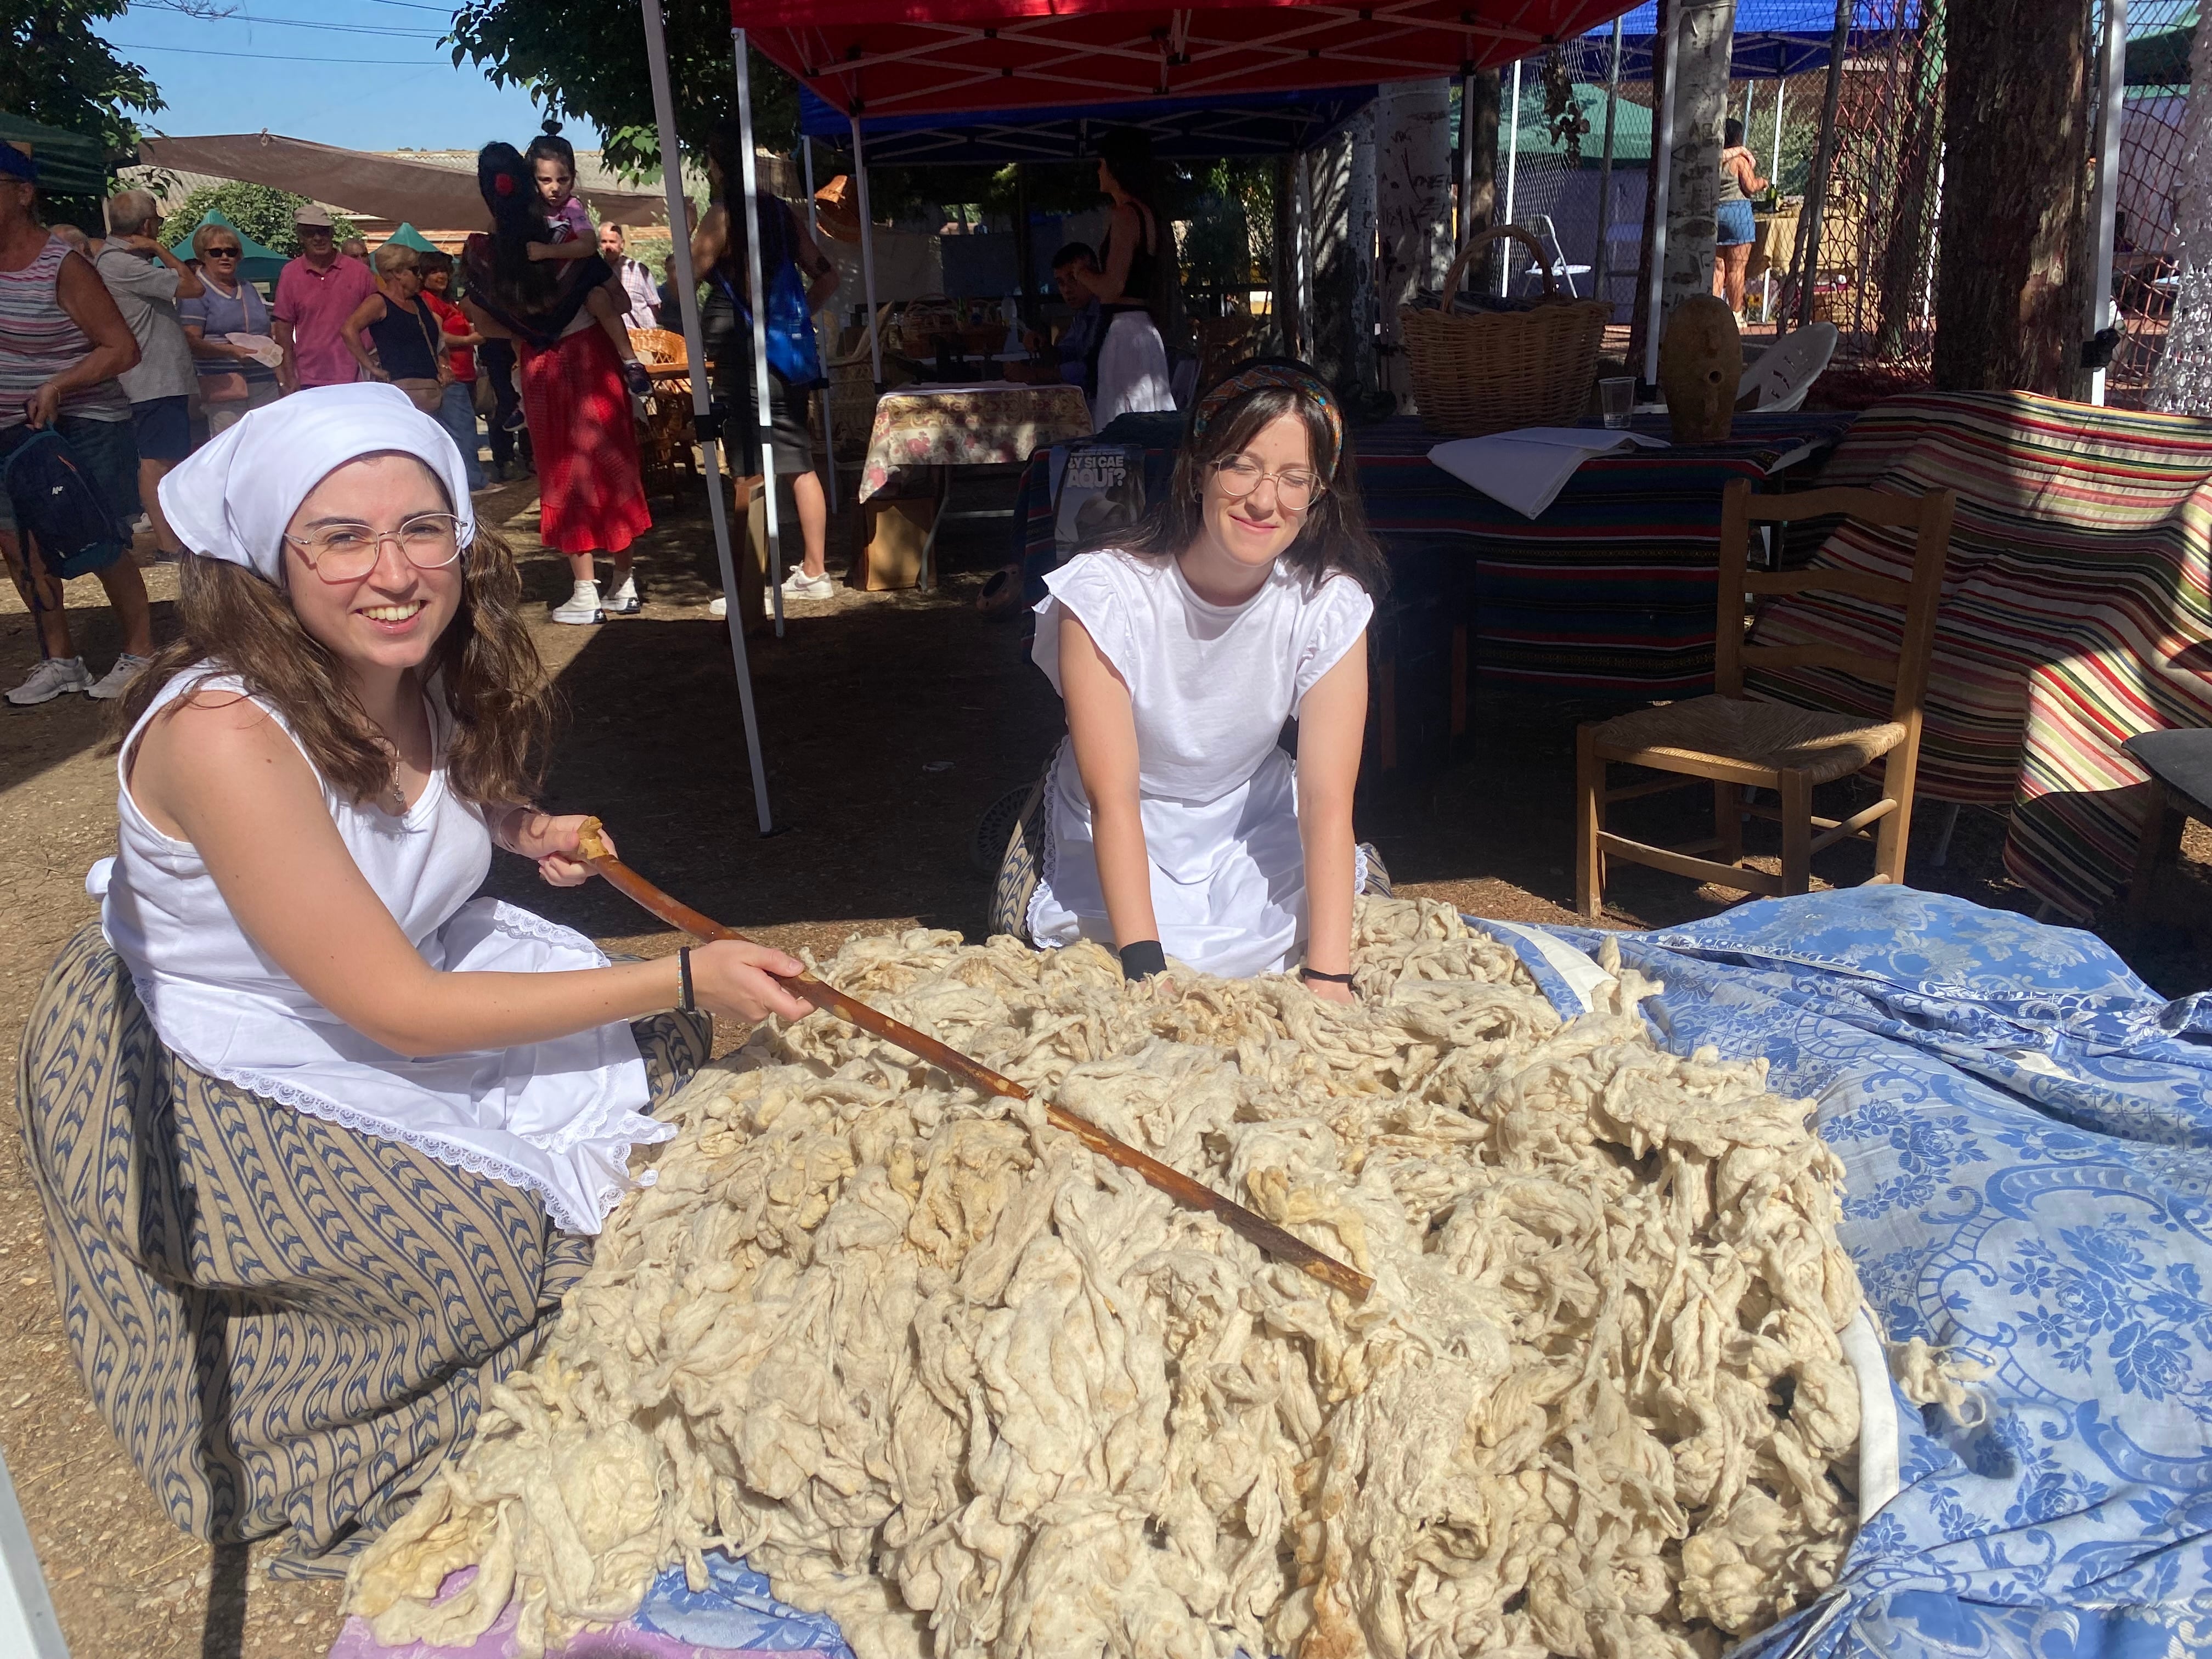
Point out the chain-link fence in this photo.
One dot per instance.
(2146, 262)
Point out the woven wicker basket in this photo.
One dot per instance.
(1498, 370)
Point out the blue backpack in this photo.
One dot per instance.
(58, 504)
(792, 352)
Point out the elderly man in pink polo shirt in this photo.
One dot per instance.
(315, 294)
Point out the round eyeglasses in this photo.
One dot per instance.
(1296, 488)
(344, 552)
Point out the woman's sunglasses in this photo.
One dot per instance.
(222, 253)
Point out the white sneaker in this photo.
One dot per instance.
(623, 601)
(117, 680)
(801, 586)
(53, 677)
(581, 608)
(719, 607)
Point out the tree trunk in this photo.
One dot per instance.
(1344, 257)
(1478, 126)
(1701, 87)
(1283, 268)
(2181, 383)
(2014, 244)
(1413, 186)
(1639, 314)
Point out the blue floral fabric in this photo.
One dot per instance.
(2027, 1130)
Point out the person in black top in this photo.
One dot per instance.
(402, 329)
(1133, 286)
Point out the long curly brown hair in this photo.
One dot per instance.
(494, 684)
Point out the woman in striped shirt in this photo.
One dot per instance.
(62, 344)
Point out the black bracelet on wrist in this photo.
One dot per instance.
(1332, 979)
(1143, 959)
(684, 982)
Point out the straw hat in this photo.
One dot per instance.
(837, 209)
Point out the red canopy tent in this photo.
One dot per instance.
(935, 57)
(932, 56)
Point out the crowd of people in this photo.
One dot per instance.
(120, 357)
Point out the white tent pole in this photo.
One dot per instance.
(1466, 163)
(2111, 87)
(814, 229)
(748, 165)
(1307, 328)
(1512, 166)
(1774, 178)
(868, 255)
(1662, 140)
(1781, 97)
(695, 352)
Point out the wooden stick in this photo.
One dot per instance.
(1282, 1245)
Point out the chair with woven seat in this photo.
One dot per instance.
(1735, 742)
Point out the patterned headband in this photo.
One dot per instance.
(1259, 378)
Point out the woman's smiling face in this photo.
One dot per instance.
(1253, 532)
(390, 615)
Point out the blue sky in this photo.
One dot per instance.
(363, 74)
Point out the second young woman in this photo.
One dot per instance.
(1172, 821)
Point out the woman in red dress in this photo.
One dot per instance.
(590, 489)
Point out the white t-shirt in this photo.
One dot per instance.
(1210, 686)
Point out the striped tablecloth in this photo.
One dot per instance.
(2076, 611)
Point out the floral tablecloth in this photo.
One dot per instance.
(980, 425)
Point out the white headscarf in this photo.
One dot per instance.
(232, 498)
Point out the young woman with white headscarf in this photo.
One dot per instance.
(321, 1138)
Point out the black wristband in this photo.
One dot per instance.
(1333, 979)
(683, 980)
(1143, 959)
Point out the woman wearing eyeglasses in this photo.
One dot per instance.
(321, 1137)
(1171, 823)
(233, 380)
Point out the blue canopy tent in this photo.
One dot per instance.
(1774, 38)
(1181, 129)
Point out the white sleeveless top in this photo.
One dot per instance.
(1210, 686)
(557, 1119)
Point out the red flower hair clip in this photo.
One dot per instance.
(504, 184)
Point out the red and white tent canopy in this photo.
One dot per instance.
(915, 56)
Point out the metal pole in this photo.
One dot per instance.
(1512, 166)
(2112, 87)
(748, 165)
(868, 255)
(1662, 140)
(695, 351)
(1601, 262)
(814, 229)
(1306, 323)
(1774, 182)
(1465, 165)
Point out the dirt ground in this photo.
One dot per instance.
(890, 722)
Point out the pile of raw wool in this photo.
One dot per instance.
(943, 1374)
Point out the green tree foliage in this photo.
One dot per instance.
(56, 69)
(585, 59)
(261, 212)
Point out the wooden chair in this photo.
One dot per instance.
(669, 437)
(1735, 742)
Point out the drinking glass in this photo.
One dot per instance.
(1616, 399)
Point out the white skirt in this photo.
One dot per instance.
(1228, 876)
(1133, 371)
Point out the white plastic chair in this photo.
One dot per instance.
(1539, 225)
(1785, 371)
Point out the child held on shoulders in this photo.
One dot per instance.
(552, 161)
